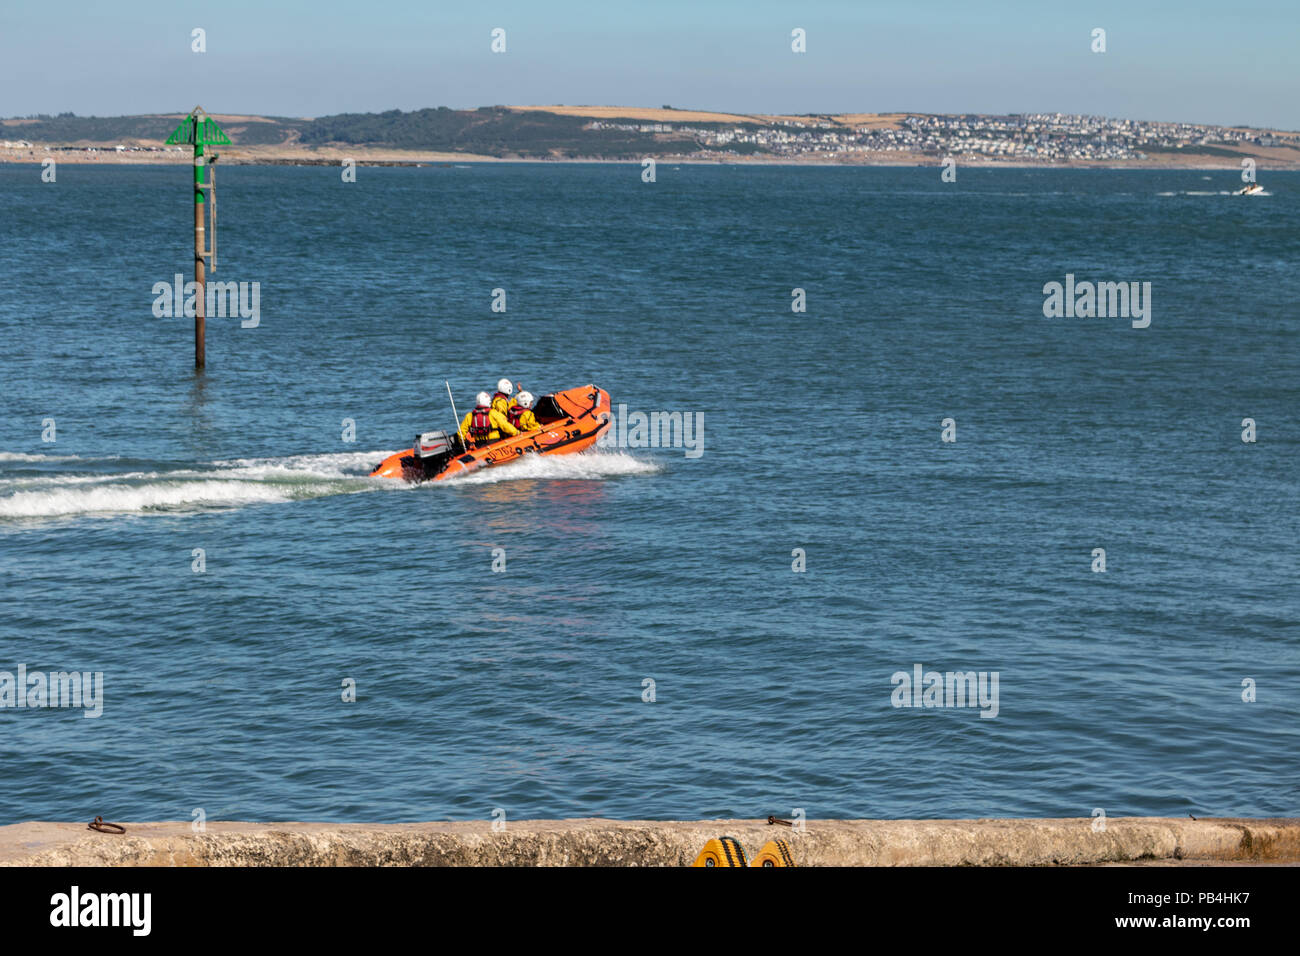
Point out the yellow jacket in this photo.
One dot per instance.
(495, 418)
(501, 403)
(528, 421)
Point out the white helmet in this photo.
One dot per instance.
(483, 399)
(524, 399)
(504, 386)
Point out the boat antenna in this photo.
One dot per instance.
(455, 416)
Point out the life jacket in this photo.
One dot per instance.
(480, 423)
(515, 413)
(501, 395)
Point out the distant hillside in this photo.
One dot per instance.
(487, 131)
(67, 128)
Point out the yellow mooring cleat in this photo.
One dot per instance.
(774, 853)
(723, 851)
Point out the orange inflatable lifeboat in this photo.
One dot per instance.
(571, 421)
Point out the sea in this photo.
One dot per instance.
(881, 533)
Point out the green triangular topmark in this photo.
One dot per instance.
(209, 133)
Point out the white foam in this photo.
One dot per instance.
(1209, 192)
(239, 482)
(127, 499)
(223, 484)
(22, 456)
(349, 464)
(54, 480)
(587, 465)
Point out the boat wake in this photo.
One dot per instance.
(1210, 192)
(31, 488)
(587, 465)
(35, 487)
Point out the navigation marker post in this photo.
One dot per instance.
(199, 130)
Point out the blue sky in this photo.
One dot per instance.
(1193, 60)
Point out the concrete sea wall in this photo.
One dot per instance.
(598, 842)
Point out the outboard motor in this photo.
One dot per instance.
(430, 444)
(434, 449)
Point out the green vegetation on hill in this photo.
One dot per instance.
(490, 131)
(1202, 149)
(68, 128)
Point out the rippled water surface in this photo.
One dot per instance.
(821, 431)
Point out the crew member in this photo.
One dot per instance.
(521, 413)
(484, 423)
(501, 401)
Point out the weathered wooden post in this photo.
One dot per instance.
(199, 130)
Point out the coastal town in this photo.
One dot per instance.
(1058, 137)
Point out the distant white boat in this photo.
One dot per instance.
(1250, 189)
